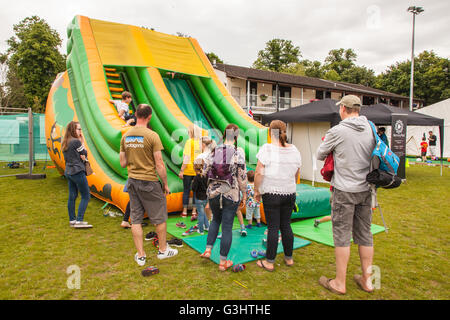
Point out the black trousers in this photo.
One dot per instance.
(278, 210)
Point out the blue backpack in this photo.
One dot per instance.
(389, 161)
(386, 175)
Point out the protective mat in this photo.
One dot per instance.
(178, 232)
(240, 246)
(323, 233)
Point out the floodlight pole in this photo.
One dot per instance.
(414, 11)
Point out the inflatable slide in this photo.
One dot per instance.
(170, 73)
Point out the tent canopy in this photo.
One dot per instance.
(380, 114)
(327, 110)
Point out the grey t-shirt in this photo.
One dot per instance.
(74, 164)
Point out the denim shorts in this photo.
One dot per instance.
(252, 212)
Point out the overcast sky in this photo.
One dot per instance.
(379, 30)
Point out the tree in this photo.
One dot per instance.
(35, 60)
(431, 78)
(313, 69)
(359, 75)
(340, 60)
(279, 55)
(213, 58)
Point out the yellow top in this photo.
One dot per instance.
(188, 150)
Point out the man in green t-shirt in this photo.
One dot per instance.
(140, 152)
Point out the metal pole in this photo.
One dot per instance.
(411, 86)
(30, 140)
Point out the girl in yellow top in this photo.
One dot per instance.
(192, 149)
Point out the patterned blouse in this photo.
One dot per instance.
(239, 174)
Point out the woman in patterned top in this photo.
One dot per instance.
(224, 191)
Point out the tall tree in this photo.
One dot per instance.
(431, 78)
(279, 55)
(35, 59)
(340, 60)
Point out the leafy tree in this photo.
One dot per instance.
(213, 57)
(431, 78)
(279, 55)
(35, 60)
(313, 69)
(359, 75)
(340, 60)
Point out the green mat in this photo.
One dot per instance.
(240, 246)
(178, 232)
(323, 233)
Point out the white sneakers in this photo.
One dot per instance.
(79, 224)
(82, 224)
(169, 253)
(140, 260)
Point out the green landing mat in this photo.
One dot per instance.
(178, 232)
(323, 233)
(240, 246)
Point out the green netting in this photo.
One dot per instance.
(14, 137)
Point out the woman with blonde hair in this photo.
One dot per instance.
(192, 149)
(277, 172)
(75, 155)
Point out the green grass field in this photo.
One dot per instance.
(38, 247)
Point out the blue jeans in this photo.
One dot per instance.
(78, 183)
(202, 219)
(187, 183)
(224, 216)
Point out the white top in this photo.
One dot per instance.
(120, 105)
(280, 166)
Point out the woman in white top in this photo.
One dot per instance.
(276, 175)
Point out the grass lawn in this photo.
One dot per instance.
(38, 246)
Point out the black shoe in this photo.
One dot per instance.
(175, 242)
(151, 235)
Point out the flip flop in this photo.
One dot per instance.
(226, 265)
(206, 254)
(289, 264)
(325, 282)
(254, 253)
(358, 279)
(261, 264)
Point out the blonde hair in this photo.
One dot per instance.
(278, 129)
(209, 143)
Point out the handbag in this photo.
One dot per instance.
(328, 168)
(87, 167)
(383, 179)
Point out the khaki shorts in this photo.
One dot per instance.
(351, 214)
(147, 196)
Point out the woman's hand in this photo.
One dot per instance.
(83, 157)
(181, 175)
(257, 196)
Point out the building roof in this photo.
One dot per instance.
(302, 81)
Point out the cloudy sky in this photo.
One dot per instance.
(378, 30)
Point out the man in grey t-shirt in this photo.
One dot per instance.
(351, 142)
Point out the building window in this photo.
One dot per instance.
(285, 97)
(368, 100)
(253, 93)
